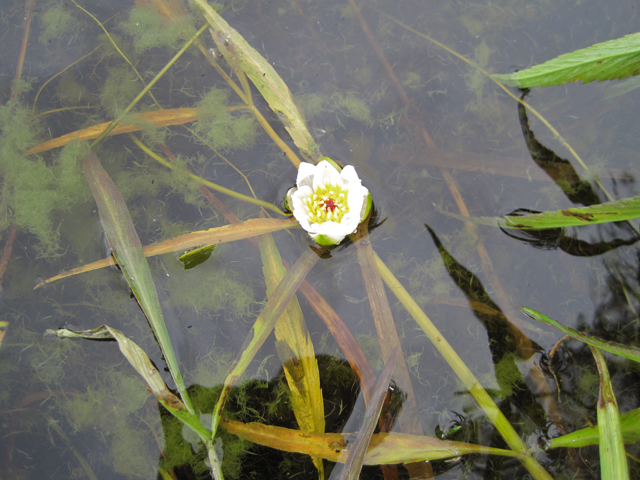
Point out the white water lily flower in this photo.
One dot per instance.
(327, 203)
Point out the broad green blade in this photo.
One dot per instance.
(127, 250)
(631, 353)
(629, 423)
(612, 60)
(384, 448)
(237, 51)
(227, 233)
(264, 324)
(626, 209)
(295, 349)
(358, 449)
(613, 458)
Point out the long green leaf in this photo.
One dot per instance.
(613, 458)
(127, 250)
(626, 209)
(612, 60)
(616, 348)
(629, 424)
(495, 416)
(240, 54)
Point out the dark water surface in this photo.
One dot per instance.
(71, 407)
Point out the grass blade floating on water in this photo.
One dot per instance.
(127, 249)
(611, 347)
(213, 236)
(612, 60)
(384, 448)
(629, 425)
(613, 458)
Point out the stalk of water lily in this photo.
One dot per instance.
(295, 350)
(495, 416)
(613, 458)
(211, 185)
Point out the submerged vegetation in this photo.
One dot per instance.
(425, 291)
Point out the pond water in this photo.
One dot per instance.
(427, 134)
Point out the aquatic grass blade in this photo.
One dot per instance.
(384, 448)
(494, 415)
(160, 118)
(612, 60)
(629, 425)
(630, 353)
(357, 450)
(613, 458)
(127, 249)
(213, 236)
(619, 210)
(264, 324)
(237, 51)
(295, 350)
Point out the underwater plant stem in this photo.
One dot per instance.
(115, 45)
(57, 75)
(144, 91)
(495, 416)
(23, 48)
(6, 251)
(246, 98)
(213, 186)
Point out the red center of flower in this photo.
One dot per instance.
(330, 204)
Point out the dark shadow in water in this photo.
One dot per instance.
(559, 170)
(506, 344)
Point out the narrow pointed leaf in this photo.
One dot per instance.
(612, 60)
(384, 448)
(213, 236)
(127, 250)
(357, 450)
(613, 458)
(237, 51)
(626, 209)
(631, 353)
(160, 118)
(629, 424)
(264, 324)
(294, 347)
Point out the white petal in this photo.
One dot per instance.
(299, 209)
(332, 230)
(326, 174)
(350, 177)
(357, 200)
(305, 174)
